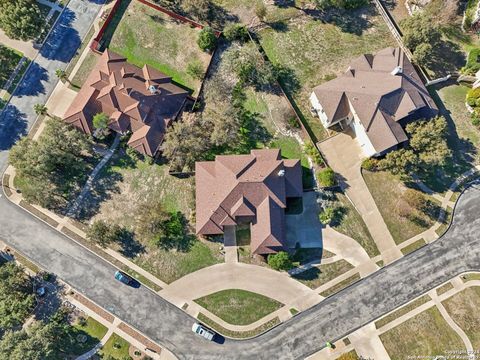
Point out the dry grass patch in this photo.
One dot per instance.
(402, 311)
(387, 191)
(425, 335)
(317, 276)
(463, 308)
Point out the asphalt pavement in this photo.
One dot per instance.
(306, 333)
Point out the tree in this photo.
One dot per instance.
(419, 29)
(207, 39)
(103, 233)
(261, 10)
(100, 123)
(21, 19)
(62, 75)
(399, 162)
(16, 296)
(249, 66)
(326, 177)
(314, 154)
(186, 141)
(280, 261)
(236, 32)
(424, 54)
(52, 166)
(200, 9)
(41, 109)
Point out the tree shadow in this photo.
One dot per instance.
(284, 3)
(63, 41)
(13, 125)
(348, 21)
(311, 274)
(31, 84)
(279, 26)
(288, 78)
(129, 246)
(448, 57)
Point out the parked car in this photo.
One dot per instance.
(203, 331)
(124, 278)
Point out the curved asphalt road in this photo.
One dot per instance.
(390, 287)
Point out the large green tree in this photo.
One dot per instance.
(16, 296)
(21, 19)
(52, 166)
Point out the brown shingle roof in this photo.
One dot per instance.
(143, 101)
(379, 97)
(251, 188)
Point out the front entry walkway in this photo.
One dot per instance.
(344, 156)
(230, 244)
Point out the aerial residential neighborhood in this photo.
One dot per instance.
(250, 179)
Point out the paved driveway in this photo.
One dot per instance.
(343, 155)
(305, 229)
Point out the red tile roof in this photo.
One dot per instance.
(143, 101)
(247, 188)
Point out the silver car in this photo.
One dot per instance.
(203, 331)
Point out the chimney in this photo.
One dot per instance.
(398, 70)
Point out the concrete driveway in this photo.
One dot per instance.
(344, 156)
(305, 229)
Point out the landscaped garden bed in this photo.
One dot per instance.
(239, 307)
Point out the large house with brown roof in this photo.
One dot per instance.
(247, 189)
(375, 97)
(143, 101)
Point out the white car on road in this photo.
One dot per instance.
(203, 331)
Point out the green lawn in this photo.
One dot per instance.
(317, 276)
(146, 36)
(463, 308)
(116, 347)
(314, 51)
(84, 70)
(387, 190)
(239, 307)
(350, 223)
(9, 59)
(93, 331)
(425, 335)
(470, 277)
(413, 246)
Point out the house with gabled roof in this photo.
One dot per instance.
(143, 101)
(376, 97)
(247, 189)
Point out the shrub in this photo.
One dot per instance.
(475, 119)
(280, 261)
(327, 215)
(103, 233)
(472, 96)
(472, 65)
(326, 177)
(293, 123)
(311, 151)
(195, 69)
(260, 10)
(369, 164)
(236, 32)
(207, 39)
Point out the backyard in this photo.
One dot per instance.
(238, 307)
(161, 42)
(313, 51)
(425, 335)
(123, 188)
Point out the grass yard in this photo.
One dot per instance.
(341, 285)
(425, 335)
(116, 347)
(317, 276)
(84, 70)
(413, 246)
(387, 190)
(397, 9)
(402, 311)
(444, 288)
(315, 51)
(93, 331)
(9, 58)
(146, 36)
(119, 194)
(350, 223)
(463, 308)
(239, 307)
(470, 277)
